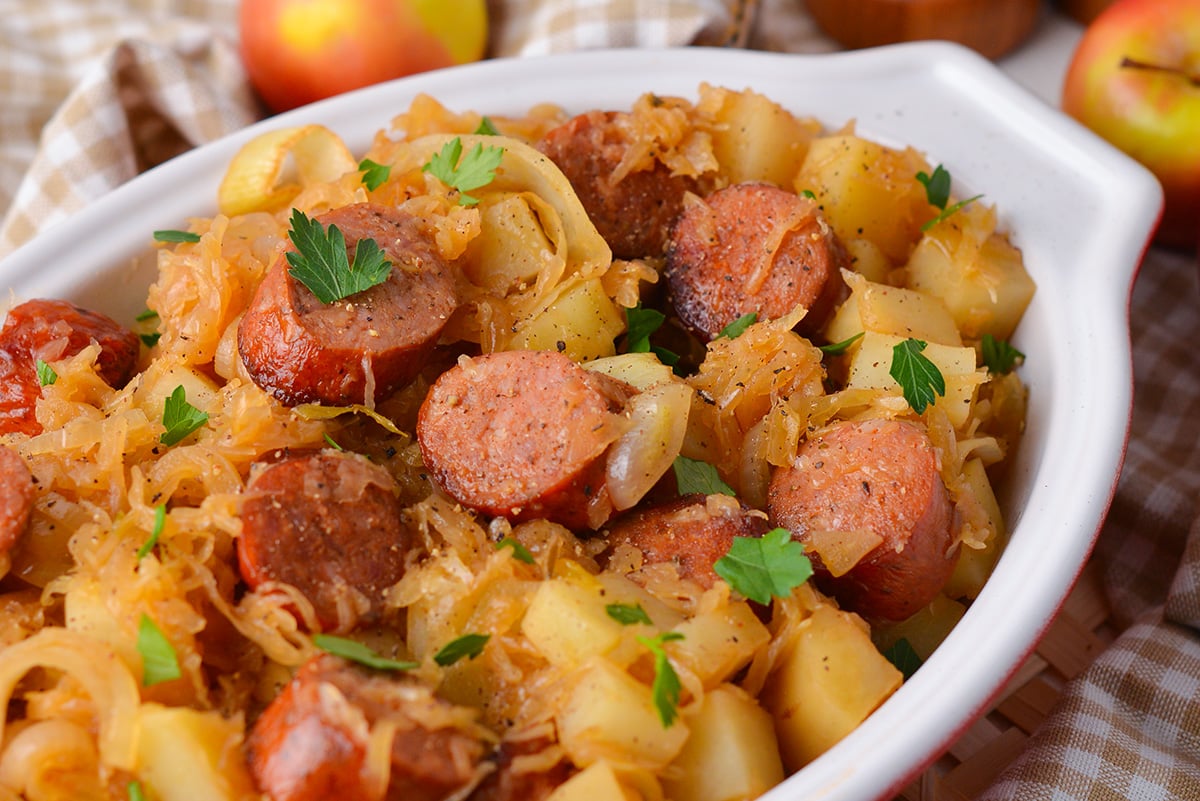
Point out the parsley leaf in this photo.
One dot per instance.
(761, 567)
(468, 645)
(159, 662)
(902, 655)
(948, 211)
(320, 263)
(838, 348)
(666, 687)
(937, 186)
(180, 417)
(808, 193)
(148, 314)
(520, 552)
(357, 652)
(45, 373)
(331, 442)
(919, 378)
(694, 476)
(373, 173)
(738, 326)
(134, 789)
(641, 324)
(487, 127)
(160, 520)
(150, 340)
(477, 168)
(169, 235)
(998, 355)
(628, 614)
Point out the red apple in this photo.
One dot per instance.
(298, 51)
(1135, 80)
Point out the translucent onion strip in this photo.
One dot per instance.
(647, 450)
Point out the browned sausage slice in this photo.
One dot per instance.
(521, 434)
(693, 532)
(633, 214)
(50, 330)
(881, 476)
(329, 524)
(306, 746)
(360, 348)
(753, 248)
(17, 493)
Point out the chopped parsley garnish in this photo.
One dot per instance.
(641, 323)
(148, 314)
(760, 567)
(468, 645)
(838, 348)
(135, 791)
(487, 127)
(170, 235)
(665, 689)
(373, 173)
(738, 326)
(902, 655)
(937, 192)
(999, 356)
(477, 168)
(180, 418)
(628, 614)
(357, 652)
(331, 442)
(45, 373)
(320, 262)
(919, 378)
(159, 662)
(808, 193)
(160, 520)
(150, 340)
(694, 476)
(520, 552)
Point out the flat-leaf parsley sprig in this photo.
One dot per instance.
(760, 568)
(321, 264)
(464, 173)
(919, 378)
(937, 192)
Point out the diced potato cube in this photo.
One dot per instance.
(892, 310)
(871, 363)
(868, 190)
(976, 564)
(611, 716)
(831, 679)
(979, 275)
(639, 370)
(597, 782)
(583, 320)
(868, 260)
(500, 258)
(185, 754)
(732, 753)
(756, 139)
(925, 630)
(719, 642)
(568, 623)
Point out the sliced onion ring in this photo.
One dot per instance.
(647, 450)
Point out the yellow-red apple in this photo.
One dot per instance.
(1135, 80)
(298, 51)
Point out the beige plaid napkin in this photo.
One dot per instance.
(94, 91)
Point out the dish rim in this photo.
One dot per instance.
(982, 94)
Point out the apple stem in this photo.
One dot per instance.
(1130, 63)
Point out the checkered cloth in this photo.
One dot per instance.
(94, 91)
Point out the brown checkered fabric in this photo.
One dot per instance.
(94, 91)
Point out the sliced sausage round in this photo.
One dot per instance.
(306, 745)
(330, 524)
(362, 347)
(692, 532)
(757, 248)
(522, 434)
(50, 330)
(17, 493)
(881, 476)
(633, 214)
